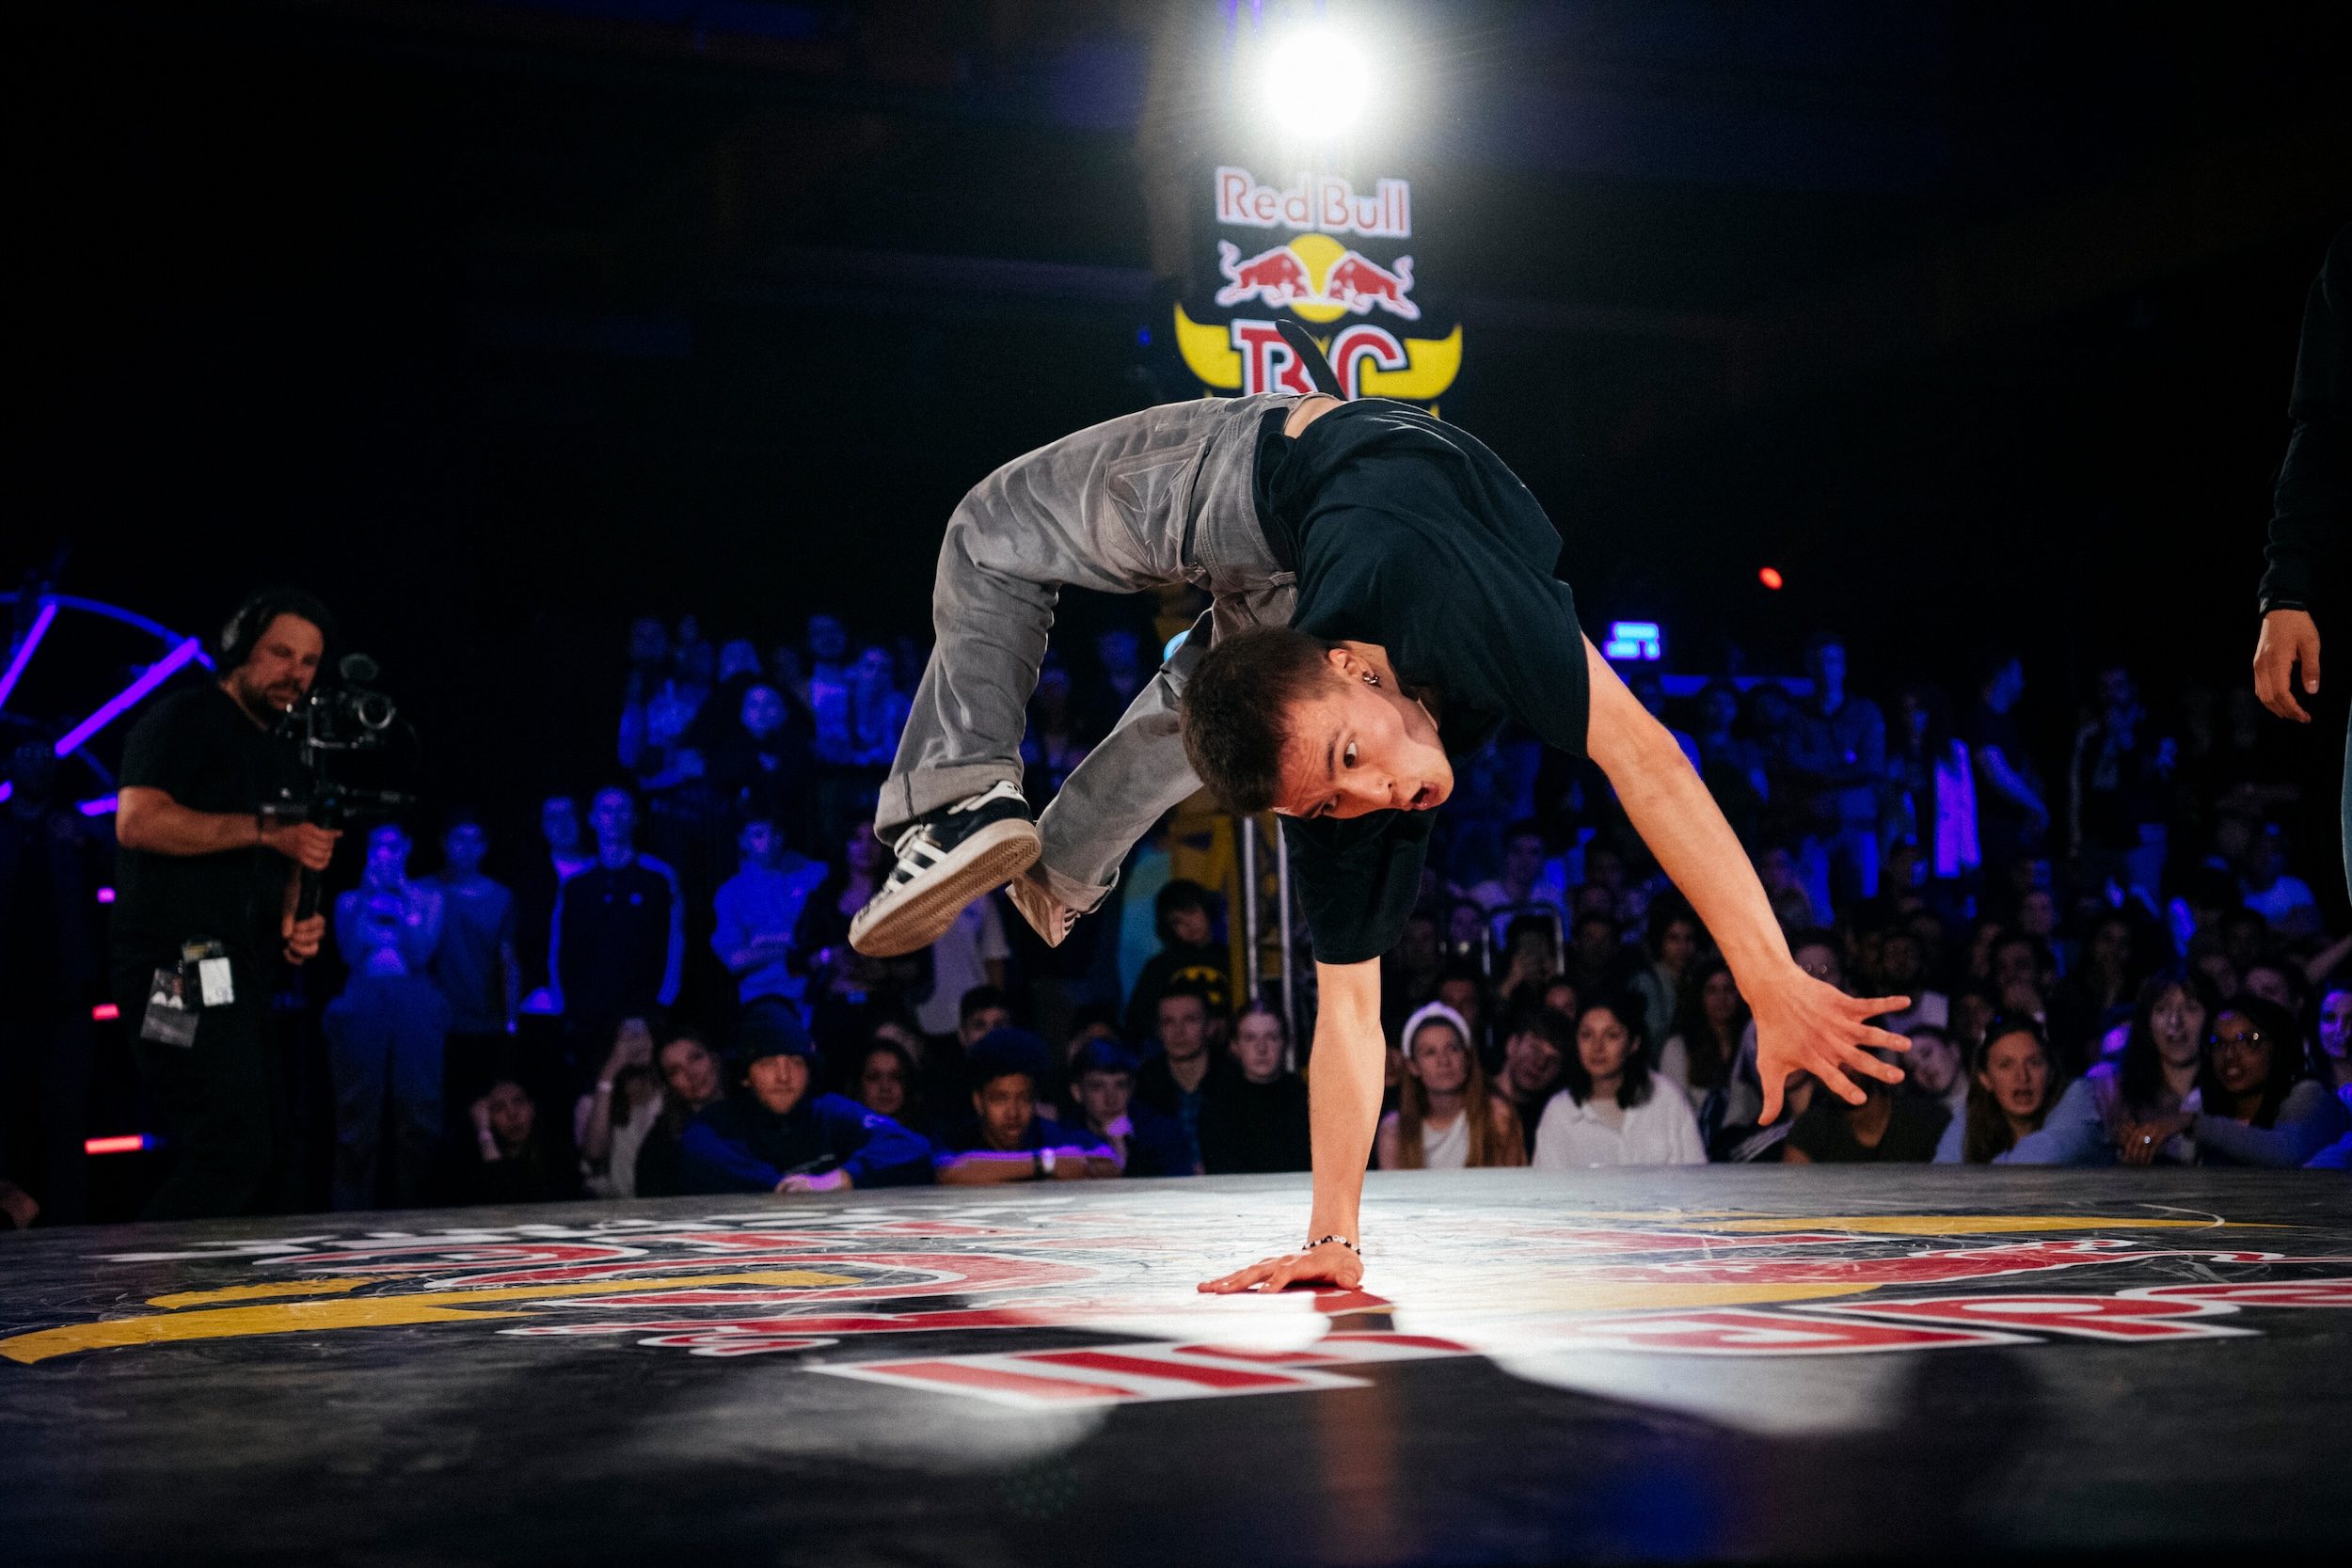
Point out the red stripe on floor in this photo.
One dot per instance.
(1139, 1366)
(1003, 1382)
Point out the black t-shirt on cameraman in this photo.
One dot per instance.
(199, 747)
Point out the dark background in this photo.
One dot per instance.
(498, 324)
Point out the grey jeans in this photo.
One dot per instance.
(1142, 501)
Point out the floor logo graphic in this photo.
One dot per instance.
(1034, 1305)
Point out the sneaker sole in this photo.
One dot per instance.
(922, 911)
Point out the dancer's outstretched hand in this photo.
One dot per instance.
(1808, 1026)
(1329, 1264)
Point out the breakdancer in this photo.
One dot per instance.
(1381, 598)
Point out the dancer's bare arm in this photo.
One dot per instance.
(1344, 1111)
(1801, 1023)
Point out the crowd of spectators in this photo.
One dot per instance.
(2109, 954)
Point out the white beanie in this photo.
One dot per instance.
(1442, 1014)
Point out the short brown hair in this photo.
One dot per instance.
(1236, 706)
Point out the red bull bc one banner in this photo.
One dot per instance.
(1333, 256)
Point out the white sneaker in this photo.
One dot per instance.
(1047, 915)
(946, 860)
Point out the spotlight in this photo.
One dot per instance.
(1769, 576)
(1317, 82)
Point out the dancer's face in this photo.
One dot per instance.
(1356, 748)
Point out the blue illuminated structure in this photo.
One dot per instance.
(156, 673)
(1641, 639)
(46, 629)
(24, 650)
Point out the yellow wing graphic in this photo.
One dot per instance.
(1430, 365)
(1209, 352)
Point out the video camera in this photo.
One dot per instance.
(335, 723)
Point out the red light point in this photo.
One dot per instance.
(1769, 576)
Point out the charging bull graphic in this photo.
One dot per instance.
(1280, 277)
(896, 1296)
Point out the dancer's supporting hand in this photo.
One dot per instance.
(1329, 1264)
(2289, 638)
(1808, 1026)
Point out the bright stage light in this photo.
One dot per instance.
(1317, 82)
(1769, 576)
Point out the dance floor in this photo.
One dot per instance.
(1852, 1364)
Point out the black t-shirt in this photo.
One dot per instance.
(1408, 534)
(199, 747)
(1911, 1133)
(613, 946)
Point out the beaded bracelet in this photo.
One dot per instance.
(1341, 1239)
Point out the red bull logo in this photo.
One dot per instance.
(1327, 203)
(1358, 290)
(1360, 284)
(1286, 279)
(1275, 277)
(1247, 355)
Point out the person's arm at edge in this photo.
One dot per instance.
(983, 1167)
(1081, 1154)
(732, 940)
(2312, 1119)
(1951, 1147)
(2071, 1134)
(2311, 505)
(149, 819)
(1802, 1024)
(2008, 783)
(884, 1152)
(1343, 1082)
(709, 1163)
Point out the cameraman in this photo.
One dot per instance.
(202, 866)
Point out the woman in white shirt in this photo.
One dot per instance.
(1445, 1119)
(1613, 1111)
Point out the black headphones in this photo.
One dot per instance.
(243, 630)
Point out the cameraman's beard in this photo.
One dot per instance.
(265, 704)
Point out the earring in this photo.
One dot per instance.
(1371, 679)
